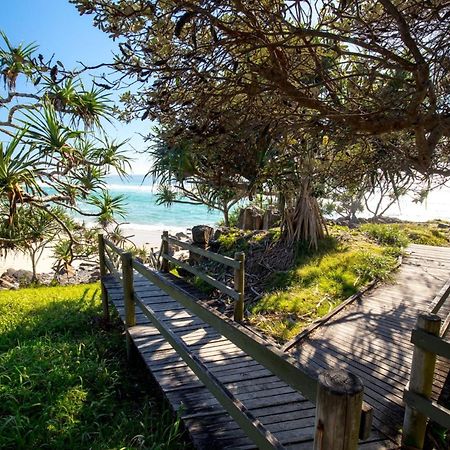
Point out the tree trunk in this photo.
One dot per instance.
(33, 265)
(304, 221)
(226, 216)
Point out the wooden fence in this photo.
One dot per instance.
(238, 264)
(428, 340)
(341, 417)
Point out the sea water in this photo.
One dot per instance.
(142, 212)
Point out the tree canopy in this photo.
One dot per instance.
(350, 70)
(53, 153)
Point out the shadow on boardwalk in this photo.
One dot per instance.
(371, 337)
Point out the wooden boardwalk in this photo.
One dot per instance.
(370, 338)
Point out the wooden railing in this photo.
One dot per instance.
(341, 417)
(238, 264)
(428, 340)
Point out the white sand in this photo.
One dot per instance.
(20, 261)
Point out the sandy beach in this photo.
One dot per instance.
(140, 237)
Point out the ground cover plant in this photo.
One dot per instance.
(64, 380)
(315, 281)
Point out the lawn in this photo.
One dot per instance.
(65, 382)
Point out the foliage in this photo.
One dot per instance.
(287, 97)
(186, 176)
(401, 234)
(376, 72)
(386, 234)
(55, 155)
(319, 281)
(233, 218)
(65, 382)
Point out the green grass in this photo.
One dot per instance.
(344, 262)
(319, 281)
(64, 380)
(401, 234)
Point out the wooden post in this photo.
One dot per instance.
(128, 297)
(338, 410)
(420, 382)
(239, 286)
(164, 250)
(101, 257)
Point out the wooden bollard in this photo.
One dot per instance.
(239, 286)
(420, 382)
(128, 298)
(101, 257)
(165, 251)
(338, 410)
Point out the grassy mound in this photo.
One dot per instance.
(64, 381)
(319, 281)
(313, 282)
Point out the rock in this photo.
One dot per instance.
(23, 276)
(271, 218)
(251, 218)
(219, 232)
(6, 284)
(443, 225)
(201, 235)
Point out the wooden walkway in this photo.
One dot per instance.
(370, 338)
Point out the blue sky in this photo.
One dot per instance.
(56, 27)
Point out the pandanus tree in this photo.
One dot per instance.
(357, 72)
(53, 153)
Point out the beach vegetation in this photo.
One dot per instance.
(185, 178)
(286, 291)
(280, 107)
(63, 384)
(56, 155)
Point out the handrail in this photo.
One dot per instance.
(280, 364)
(226, 260)
(238, 264)
(437, 304)
(204, 276)
(260, 435)
(428, 343)
(333, 405)
(440, 298)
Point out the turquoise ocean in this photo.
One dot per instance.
(143, 213)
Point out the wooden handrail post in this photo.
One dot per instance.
(420, 382)
(164, 250)
(239, 286)
(338, 410)
(101, 258)
(128, 297)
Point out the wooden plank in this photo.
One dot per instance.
(431, 409)
(253, 427)
(210, 255)
(431, 343)
(205, 277)
(280, 364)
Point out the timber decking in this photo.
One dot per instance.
(281, 409)
(371, 337)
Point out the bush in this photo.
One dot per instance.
(391, 235)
